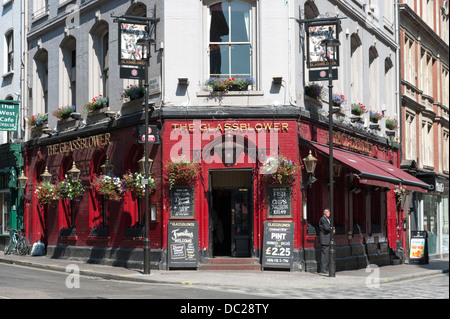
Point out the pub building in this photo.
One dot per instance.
(232, 209)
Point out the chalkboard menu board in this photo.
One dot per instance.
(182, 202)
(279, 202)
(278, 244)
(183, 244)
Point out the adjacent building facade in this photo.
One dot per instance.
(425, 99)
(233, 208)
(11, 114)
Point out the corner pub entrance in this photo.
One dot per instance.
(231, 213)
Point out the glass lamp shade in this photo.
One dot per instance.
(22, 181)
(310, 163)
(74, 172)
(107, 168)
(141, 164)
(46, 176)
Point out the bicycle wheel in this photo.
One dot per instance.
(22, 247)
(7, 249)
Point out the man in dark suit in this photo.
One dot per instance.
(325, 239)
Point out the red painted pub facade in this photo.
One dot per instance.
(232, 205)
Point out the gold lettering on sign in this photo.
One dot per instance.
(79, 144)
(352, 143)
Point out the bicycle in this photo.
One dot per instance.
(16, 243)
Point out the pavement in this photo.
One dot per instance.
(248, 279)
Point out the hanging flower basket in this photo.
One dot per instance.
(69, 189)
(64, 112)
(279, 170)
(46, 194)
(133, 183)
(111, 187)
(182, 172)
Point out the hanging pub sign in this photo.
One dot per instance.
(183, 244)
(316, 57)
(130, 53)
(278, 244)
(9, 115)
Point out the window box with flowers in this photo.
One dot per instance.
(97, 103)
(182, 172)
(133, 92)
(110, 187)
(375, 116)
(314, 91)
(46, 194)
(64, 112)
(391, 125)
(37, 122)
(232, 84)
(279, 170)
(358, 109)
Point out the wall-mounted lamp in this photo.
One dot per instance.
(46, 176)
(141, 164)
(310, 166)
(111, 114)
(22, 179)
(48, 131)
(107, 168)
(277, 80)
(183, 81)
(337, 168)
(74, 172)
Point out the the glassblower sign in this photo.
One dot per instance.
(131, 53)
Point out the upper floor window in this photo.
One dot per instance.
(99, 60)
(230, 39)
(10, 51)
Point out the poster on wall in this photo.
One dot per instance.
(183, 244)
(316, 55)
(130, 53)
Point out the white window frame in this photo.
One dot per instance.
(252, 33)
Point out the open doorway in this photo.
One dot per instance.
(231, 213)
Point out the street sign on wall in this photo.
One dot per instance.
(9, 115)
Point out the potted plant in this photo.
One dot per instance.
(111, 187)
(133, 183)
(133, 92)
(391, 123)
(36, 122)
(375, 116)
(338, 99)
(182, 172)
(64, 112)
(46, 194)
(241, 84)
(279, 170)
(70, 189)
(314, 90)
(96, 103)
(358, 109)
